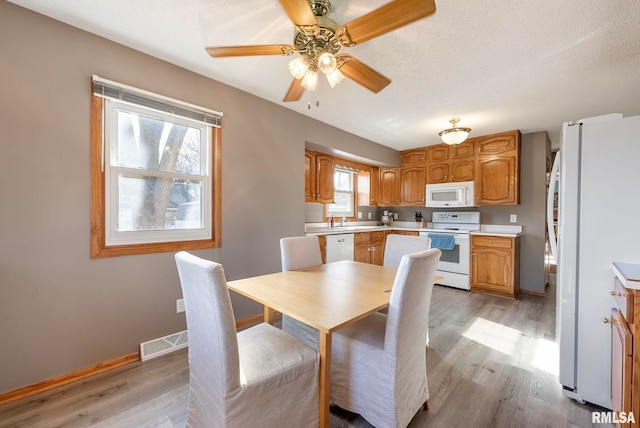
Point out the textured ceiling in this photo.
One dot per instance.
(496, 64)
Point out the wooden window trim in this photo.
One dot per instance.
(98, 247)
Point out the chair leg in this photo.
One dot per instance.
(425, 406)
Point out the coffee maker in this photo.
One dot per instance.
(387, 218)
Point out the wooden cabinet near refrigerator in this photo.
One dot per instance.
(625, 346)
(497, 169)
(495, 265)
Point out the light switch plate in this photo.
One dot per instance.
(359, 214)
(179, 306)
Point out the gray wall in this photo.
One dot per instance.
(531, 211)
(60, 310)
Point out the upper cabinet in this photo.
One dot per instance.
(318, 177)
(497, 169)
(389, 187)
(413, 157)
(405, 186)
(447, 163)
(412, 185)
(368, 186)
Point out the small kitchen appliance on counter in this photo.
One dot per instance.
(387, 218)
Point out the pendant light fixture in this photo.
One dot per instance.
(455, 134)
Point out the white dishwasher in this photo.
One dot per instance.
(339, 247)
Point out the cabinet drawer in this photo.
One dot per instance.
(491, 241)
(377, 236)
(624, 300)
(361, 237)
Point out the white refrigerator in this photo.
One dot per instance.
(598, 224)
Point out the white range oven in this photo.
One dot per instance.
(450, 232)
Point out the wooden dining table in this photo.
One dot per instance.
(326, 297)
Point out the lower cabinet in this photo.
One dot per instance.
(622, 352)
(495, 265)
(369, 247)
(323, 247)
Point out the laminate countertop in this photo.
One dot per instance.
(352, 227)
(628, 274)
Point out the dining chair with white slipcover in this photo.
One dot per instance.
(300, 252)
(239, 379)
(379, 364)
(397, 246)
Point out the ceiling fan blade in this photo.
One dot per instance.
(295, 91)
(225, 51)
(299, 12)
(361, 73)
(387, 18)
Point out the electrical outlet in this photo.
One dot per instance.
(179, 306)
(369, 216)
(513, 218)
(359, 214)
(395, 216)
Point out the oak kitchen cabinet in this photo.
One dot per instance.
(368, 187)
(625, 346)
(369, 247)
(403, 186)
(318, 177)
(447, 163)
(495, 264)
(413, 157)
(497, 169)
(412, 185)
(389, 187)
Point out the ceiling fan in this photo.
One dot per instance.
(318, 39)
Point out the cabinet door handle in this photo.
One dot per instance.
(617, 293)
(606, 320)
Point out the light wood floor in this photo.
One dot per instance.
(491, 363)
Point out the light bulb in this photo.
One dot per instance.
(299, 66)
(327, 62)
(310, 80)
(335, 77)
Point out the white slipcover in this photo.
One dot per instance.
(399, 245)
(257, 377)
(379, 364)
(299, 252)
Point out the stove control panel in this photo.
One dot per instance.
(472, 217)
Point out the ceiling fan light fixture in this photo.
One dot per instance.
(310, 80)
(299, 66)
(335, 77)
(455, 134)
(327, 62)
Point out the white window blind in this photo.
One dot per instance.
(116, 91)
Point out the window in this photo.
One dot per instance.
(344, 196)
(155, 173)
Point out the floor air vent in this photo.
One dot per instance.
(163, 345)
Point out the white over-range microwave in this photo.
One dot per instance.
(445, 195)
